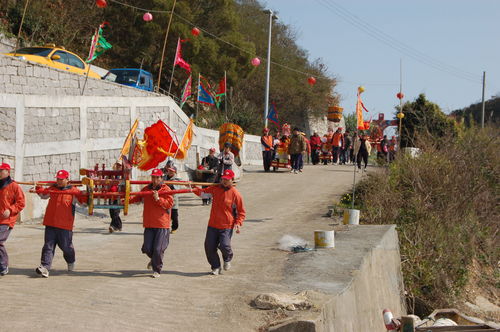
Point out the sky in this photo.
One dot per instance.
(456, 39)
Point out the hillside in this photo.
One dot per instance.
(471, 115)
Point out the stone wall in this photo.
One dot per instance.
(51, 124)
(24, 77)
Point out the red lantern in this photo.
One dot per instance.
(400, 95)
(311, 80)
(147, 17)
(195, 31)
(255, 62)
(101, 3)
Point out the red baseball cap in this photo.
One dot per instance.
(62, 174)
(156, 172)
(212, 149)
(228, 174)
(5, 166)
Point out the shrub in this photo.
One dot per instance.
(445, 206)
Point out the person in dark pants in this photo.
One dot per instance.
(209, 163)
(362, 149)
(59, 219)
(116, 221)
(12, 202)
(267, 149)
(156, 220)
(227, 214)
(347, 148)
(172, 176)
(315, 142)
(296, 147)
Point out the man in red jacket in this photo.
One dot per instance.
(11, 203)
(156, 219)
(227, 213)
(58, 220)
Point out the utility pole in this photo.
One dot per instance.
(266, 106)
(482, 107)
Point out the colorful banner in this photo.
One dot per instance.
(273, 115)
(186, 92)
(178, 58)
(158, 143)
(204, 95)
(221, 91)
(233, 134)
(185, 144)
(99, 44)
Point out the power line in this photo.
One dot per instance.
(395, 44)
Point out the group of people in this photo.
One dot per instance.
(338, 148)
(160, 218)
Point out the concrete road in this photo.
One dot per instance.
(112, 290)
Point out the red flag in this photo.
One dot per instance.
(179, 60)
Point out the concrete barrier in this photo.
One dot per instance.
(352, 283)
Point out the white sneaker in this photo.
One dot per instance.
(42, 271)
(4, 272)
(150, 265)
(155, 275)
(71, 267)
(227, 266)
(215, 272)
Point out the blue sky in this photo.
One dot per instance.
(458, 33)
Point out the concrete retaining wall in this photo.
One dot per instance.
(357, 280)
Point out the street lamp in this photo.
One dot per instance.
(266, 106)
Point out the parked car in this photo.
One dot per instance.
(134, 77)
(55, 57)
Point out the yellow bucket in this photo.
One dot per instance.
(324, 239)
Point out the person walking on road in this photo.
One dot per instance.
(209, 163)
(59, 219)
(116, 221)
(12, 202)
(267, 149)
(362, 149)
(296, 147)
(337, 144)
(315, 142)
(156, 220)
(227, 214)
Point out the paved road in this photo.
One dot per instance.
(112, 290)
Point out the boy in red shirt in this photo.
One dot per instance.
(58, 220)
(227, 213)
(11, 203)
(156, 219)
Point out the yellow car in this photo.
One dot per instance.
(55, 57)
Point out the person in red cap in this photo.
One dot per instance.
(156, 220)
(11, 203)
(227, 214)
(267, 149)
(59, 219)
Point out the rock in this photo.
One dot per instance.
(269, 301)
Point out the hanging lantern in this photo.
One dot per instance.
(311, 80)
(147, 17)
(400, 115)
(195, 31)
(101, 3)
(400, 95)
(255, 62)
(361, 89)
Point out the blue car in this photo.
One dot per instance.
(137, 78)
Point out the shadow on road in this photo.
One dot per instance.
(111, 274)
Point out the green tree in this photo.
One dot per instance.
(422, 117)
